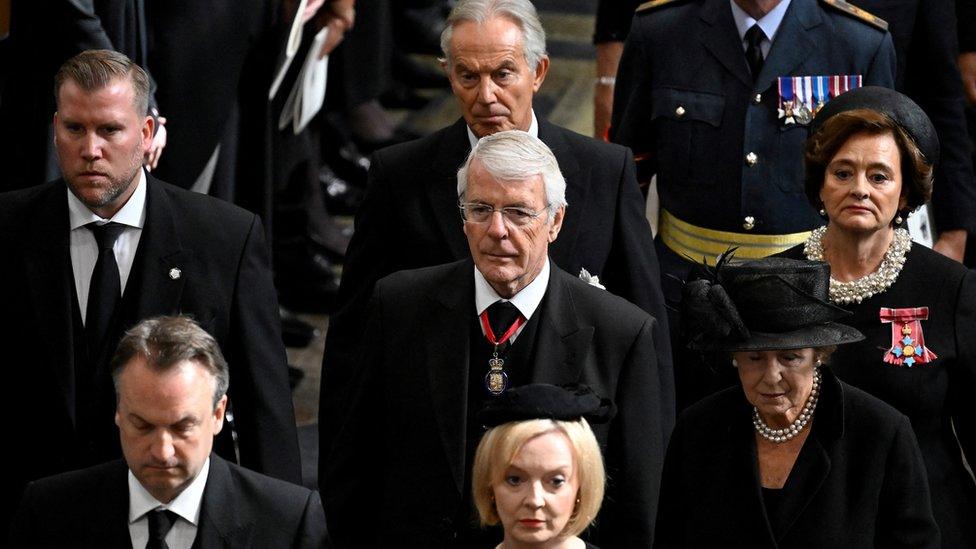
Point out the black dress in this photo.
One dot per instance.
(938, 397)
(858, 482)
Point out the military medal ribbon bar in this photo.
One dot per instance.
(801, 97)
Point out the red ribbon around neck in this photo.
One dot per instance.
(490, 334)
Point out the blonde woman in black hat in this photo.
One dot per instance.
(869, 163)
(538, 470)
(792, 457)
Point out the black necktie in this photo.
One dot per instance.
(501, 316)
(105, 290)
(160, 523)
(754, 37)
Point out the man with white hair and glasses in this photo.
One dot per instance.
(495, 58)
(446, 339)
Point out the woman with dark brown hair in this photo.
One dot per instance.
(869, 164)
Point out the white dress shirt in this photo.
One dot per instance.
(526, 301)
(84, 249)
(769, 24)
(186, 505)
(533, 130)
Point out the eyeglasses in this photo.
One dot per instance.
(475, 212)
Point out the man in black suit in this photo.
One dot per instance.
(171, 381)
(446, 339)
(90, 255)
(496, 60)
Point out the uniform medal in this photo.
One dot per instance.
(496, 380)
(801, 97)
(907, 341)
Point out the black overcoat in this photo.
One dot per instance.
(410, 219)
(240, 508)
(397, 470)
(937, 397)
(197, 256)
(859, 480)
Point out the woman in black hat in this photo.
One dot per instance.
(793, 457)
(538, 471)
(869, 164)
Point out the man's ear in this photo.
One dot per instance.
(148, 127)
(557, 223)
(219, 410)
(541, 70)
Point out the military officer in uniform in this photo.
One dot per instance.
(700, 101)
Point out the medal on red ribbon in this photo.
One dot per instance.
(496, 380)
(907, 341)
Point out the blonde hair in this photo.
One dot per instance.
(498, 447)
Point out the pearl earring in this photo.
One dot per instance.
(823, 212)
(898, 219)
(735, 363)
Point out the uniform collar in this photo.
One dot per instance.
(769, 23)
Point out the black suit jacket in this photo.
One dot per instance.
(224, 283)
(240, 508)
(410, 219)
(398, 467)
(859, 480)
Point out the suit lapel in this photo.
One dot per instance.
(161, 264)
(793, 44)
(224, 521)
(577, 188)
(48, 267)
(452, 150)
(447, 356)
(719, 36)
(562, 344)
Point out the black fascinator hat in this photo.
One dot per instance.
(545, 401)
(896, 106)
(767, 304)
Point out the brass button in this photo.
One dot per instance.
(680, 111)
(749, 223)
(758, 98)
(752, 158)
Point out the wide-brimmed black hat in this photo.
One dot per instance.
(896, 106)
(545, 401)
(767, 304)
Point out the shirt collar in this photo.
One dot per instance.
(527, 300)
(533, 131)
(769, 23)
(132, 213)
(187, 504)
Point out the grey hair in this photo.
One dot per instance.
(515, 155)
(520, 12)
(166, 341)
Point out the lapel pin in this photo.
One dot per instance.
(175, 273)
(592, 280)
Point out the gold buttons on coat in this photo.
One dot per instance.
(680, 111)
(749, 223)
(752, 158)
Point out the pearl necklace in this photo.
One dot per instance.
(855, 291)
(780, 436)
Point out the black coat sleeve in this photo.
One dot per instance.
(632, 105)
(635, 450)
(905, 516)
(962, 376)
(312, 533)
(261, 398)
(366, 263)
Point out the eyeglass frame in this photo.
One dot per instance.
(533, 214)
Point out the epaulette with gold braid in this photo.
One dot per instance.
(654, 4)
(853, 10)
